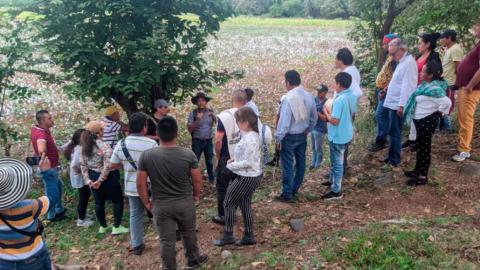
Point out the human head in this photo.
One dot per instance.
(386, 39)
(201, 100)
(113, 112)
(432, 71)
(476, 29)
(74, 141)
(397, 48)
(292, 79)
(167, 129)
(322, 91)
(161, 106)
(44, 119)
(137, 123)
(246, 119)
(88, 140)
(343, 81)
(448, 38)
(239, 98)
(250, 93)
(344, 58)
(427, 42)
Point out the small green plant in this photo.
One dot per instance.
(233, 262)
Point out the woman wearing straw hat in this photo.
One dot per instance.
(94, 164)
(21, 243)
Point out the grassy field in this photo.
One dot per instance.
(390, 227)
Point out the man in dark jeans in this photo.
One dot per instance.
(200, 125)
(176, 187)
(226, 137)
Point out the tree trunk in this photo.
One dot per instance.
(386, 26)
(129, 105)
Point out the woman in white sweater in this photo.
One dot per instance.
(426, 106)
(247, 165)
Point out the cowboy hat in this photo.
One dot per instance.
(16, 178)
(200, 95)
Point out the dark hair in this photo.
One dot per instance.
(430, 38)
(88, 142)
(246, 114)
(249, 92)
(451, 34)
(293, 77)
(167, 129)
(435, 68)
(137, 122)
(74, 141)
(345, 55)
(40, 114)
(344, 79)
(322, 88)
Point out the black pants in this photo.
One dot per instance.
(110, 189)
(425, 129)
(83, 197)
(205, 147)
(239, 193)
(168, 216)
(224, 177)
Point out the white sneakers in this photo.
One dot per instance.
(84, 223)
(461, 156)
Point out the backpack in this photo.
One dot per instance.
(266, 140)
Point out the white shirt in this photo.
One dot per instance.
(403, 83)
(429, 105)
(356, 80)
(135, 146)
(247, 159)
(76, 178)
(253, 106)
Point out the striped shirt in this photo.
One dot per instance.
(110, 132)
(23, 216)
(135, 144)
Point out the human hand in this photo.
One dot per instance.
(230, 161)
(400, 112)
(96, 184)
(468, 88)
(44, 163)
(278, 146)
(196, 200)
(149, 205)
(200, 115)
(382, 95)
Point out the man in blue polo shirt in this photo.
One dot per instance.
(340, 131)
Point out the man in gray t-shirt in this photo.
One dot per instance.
(176, 186)
(200, 124)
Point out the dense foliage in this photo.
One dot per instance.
(132, 52)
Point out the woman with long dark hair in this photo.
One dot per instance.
(425, 106)
(427, 43)
(71, 151)
(95, 166)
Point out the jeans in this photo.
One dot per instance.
(53, 189)
(395, 133)
(136, 221)
(224, 177)
(110, 189)
(168, 216)
(293, 146)
(382, 118)
(205, 146)
(39, 261)
(317, 148)
(445, 123)
(337, 152)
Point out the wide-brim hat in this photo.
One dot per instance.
(200, 95)
(16, 178)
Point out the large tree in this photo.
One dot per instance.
(132, 51)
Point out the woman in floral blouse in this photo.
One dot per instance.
(246, 164)
(105, 185)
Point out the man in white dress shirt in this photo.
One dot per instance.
(401, 86)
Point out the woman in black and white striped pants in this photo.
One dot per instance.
(246, 164)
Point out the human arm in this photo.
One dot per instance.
(107, 154)
(322, 117)
(191, 123)
(196, 183)
(408, 86)
(284, 121)
(329, 119)
(115, 161)
(474, 81)
(142, 188)
(219, 138)
(313, 117)
(250, 148)
(444, 105)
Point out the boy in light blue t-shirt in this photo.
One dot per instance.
(340, 131)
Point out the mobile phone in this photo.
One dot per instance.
(33, 161)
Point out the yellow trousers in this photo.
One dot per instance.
(467, 105)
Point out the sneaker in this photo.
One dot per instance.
(461, 156)
(375, 147)
(195, 263)
(59, 216)
(332, 196)
(327, 184)
(417, 181)
(138, 250)
(219, 220)
(102, 230)
(119, 230)
(247, 240)
(410, 174)
(84, 223)
(226, 239)
(284, 199)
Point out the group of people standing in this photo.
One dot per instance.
(164, 180)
